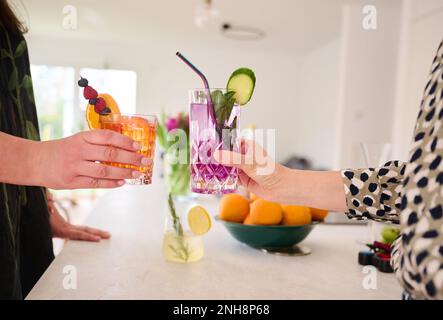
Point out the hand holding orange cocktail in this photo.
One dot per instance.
(103, 112)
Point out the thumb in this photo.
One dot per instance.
(229, 158)
(237, 160)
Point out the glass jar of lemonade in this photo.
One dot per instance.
(180, 244)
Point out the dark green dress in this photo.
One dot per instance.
(25, 233)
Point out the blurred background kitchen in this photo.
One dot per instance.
(325, 83)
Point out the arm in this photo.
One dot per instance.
(70, 163)
(16, 160)
(63, 229)
(316, 189)
(274, 182)
(377, 190)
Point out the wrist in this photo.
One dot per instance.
(35, 162)
(286, 186)
(317, 189)
(296, 186)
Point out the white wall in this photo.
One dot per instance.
(347, 88)
(367, 85)
(316, 129)
(368, 82)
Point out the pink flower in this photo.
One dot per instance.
(172, 123)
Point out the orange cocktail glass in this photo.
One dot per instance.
(140, 128)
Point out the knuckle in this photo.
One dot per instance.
(110, 153)
(136, 158)
(94, 183)
(83, 137)
(102, 171)
(106, 134)
(127, 173)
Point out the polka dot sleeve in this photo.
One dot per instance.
(417, 257)
(374, 193)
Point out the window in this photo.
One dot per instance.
(121, 84)
(60, 103)
(54, 98)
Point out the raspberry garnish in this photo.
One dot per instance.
(100, 104)
(99, 110)
(89, 93)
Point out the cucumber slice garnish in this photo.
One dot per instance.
(242, 82)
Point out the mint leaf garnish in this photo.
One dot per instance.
(223, 104)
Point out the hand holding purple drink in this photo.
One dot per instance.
(214, 126)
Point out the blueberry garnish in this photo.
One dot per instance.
(83, 82)
(105, 111)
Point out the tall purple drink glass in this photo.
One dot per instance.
(208, 176)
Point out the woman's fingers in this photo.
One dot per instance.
(248, 183)
(103, 171)
(252, 154)
(247, 163)
(110, 138)
(84, 233)
(82, 182)
(244, 179)
(113, 154)
(97, 232)
(76, 234)
(234, 159)
(229, 158)
(253, 162)
(49, 196)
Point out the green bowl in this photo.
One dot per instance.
(262, 237)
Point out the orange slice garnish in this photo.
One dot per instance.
(93, 118)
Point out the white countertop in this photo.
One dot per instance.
(130, 265)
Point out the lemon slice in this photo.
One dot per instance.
(199, 220)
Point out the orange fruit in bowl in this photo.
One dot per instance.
(93, 118)
(252, 197)
(265, 212)
(296, 215)
(234, 208)
(318, 214)
(248, 220)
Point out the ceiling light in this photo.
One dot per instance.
(205, 13)
(243, 33)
